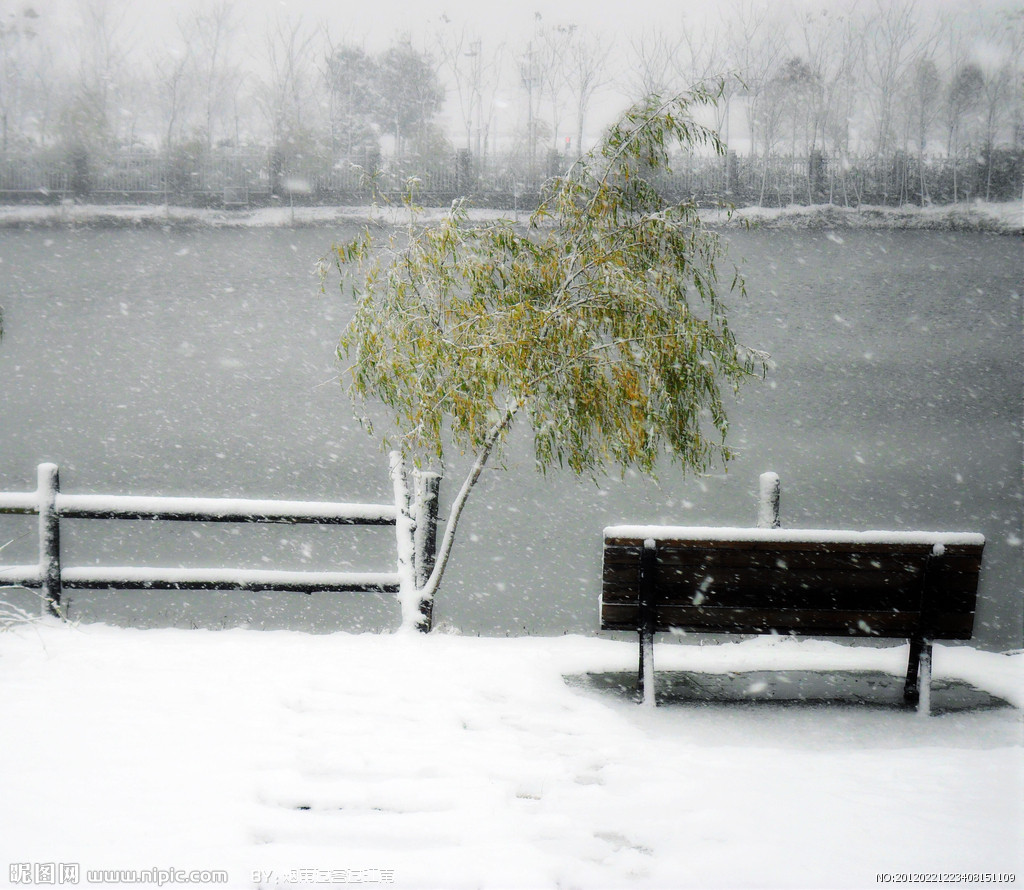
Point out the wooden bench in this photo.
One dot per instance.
(918, 586)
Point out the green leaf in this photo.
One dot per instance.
(602, 323)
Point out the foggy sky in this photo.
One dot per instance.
(376, 23)
(149, 30)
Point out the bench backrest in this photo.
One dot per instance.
(822, 583)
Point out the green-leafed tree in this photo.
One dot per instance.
(601, 324)
(352, 83)
(409, 93)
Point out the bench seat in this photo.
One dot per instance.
(919, 586)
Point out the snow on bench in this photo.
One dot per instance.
(919, 586)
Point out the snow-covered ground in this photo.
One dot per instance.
(1005, 218)
(459, 762)
(981, 216)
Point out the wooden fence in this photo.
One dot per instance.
(414, 516)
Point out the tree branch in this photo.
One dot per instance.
(458, 505)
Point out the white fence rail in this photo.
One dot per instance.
(419, 523)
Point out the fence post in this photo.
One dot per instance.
(768, 503)
(49, 537)
(426, 489)
(405, 531)
(730, 172)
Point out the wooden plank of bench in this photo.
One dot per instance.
(917, 586)
(884, 625)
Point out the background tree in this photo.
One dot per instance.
(103, 81)
(1012, 38)
(553, 56)
(923, 101)
(601, 325)
(528, 64)
(700, 57)
(19, 44)
(649, 64)
(459, 51)
(962, 114)
(486, 90)
(755, 46)
(92, 113)
(997, 61)
(351, 76)
(831, 46)
(891, 42)
(800, 91)
(476, 71)
(410, 93)
(586, 72)
(473, 70)
(787, 108)
(210, 34)
(174, 89)
(287, 87)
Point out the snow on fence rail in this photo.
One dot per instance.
(414, 517)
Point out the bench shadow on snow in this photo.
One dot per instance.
(790, 689)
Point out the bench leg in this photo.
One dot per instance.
(924, 681)
(917, 690)
(645, 676)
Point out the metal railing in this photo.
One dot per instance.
(258, 176)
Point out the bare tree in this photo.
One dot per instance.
(91, 114)
(963, 100)
(700, 58)
(174, 88)
(756, 47)
(475, 71)
(15, 31)
(530, 63)
(963, 89)
(26, 77)
(1011, 30)
(831, 47)
(585, 71)
(794, 92)
(923, 102)
(650, 63)
(45, 78)
(492, 72)
(210, 33)
(892, 40)
(286, 87)
(551, 52)
(771, 110)
(998, 57)
(461, 56)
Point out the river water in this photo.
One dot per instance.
(201, 362)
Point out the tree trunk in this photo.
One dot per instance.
(458, 505)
